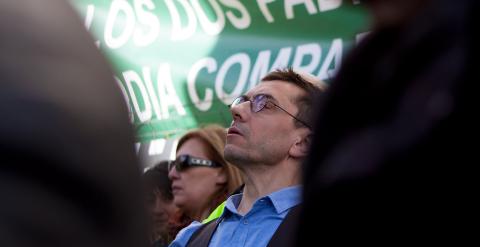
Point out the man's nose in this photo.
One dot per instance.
(241, 111)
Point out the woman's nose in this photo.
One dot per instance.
(173, 174)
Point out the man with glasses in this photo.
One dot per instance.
(267, 140)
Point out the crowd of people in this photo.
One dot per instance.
(382, 155)
(246, 173)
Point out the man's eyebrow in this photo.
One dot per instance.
(268, 96)
(271, 98)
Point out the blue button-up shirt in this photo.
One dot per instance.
(256, 228)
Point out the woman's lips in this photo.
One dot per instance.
(175, 189)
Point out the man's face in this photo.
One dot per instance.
(265, 136)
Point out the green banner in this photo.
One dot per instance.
(181, 62)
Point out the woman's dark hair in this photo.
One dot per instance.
(156, 179)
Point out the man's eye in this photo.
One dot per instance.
(269, 105)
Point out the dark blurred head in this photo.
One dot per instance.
(390, 146)
(68, 171)
(394, 12)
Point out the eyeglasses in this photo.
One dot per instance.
(259, 102)
(186, 161)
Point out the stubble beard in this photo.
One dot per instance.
(236, 157)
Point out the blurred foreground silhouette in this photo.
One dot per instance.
(68, 171)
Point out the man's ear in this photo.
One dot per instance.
(301, 146)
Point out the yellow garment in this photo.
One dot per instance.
(216, 213)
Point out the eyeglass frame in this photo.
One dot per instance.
(185, 161)
(268, 98)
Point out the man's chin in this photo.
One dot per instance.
(233, 155)
(229, 151)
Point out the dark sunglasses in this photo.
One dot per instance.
(186, 161)
(259, 101)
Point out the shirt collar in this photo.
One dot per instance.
(285, 198)
(281, 200)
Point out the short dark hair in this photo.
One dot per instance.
(312, 86)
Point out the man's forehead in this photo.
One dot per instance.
(259, 89)
(276, 89)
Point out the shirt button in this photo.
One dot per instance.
(245, 222)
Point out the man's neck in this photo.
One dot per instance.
(262, 180)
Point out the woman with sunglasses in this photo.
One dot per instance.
(201, 178)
